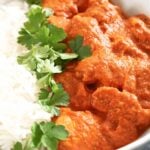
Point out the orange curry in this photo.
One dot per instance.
(109, 91)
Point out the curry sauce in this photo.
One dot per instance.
(110, 90)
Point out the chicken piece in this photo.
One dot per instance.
(123, 45)
(79, 96)
(69, 8)
(123, 73)
(140, 33)
(137, 81)
(60, 22)
(88, 27)
(124, 121)
(91, 73)
(104, 12)
(104, 70)
(142, 73)
(124, 115)
(109, 17)
(84, 129)
(63, 8)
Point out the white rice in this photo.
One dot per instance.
(18, 90)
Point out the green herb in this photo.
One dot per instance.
(37, 30)
(17, 146)
(43, 61)
(46, 56)
(52, 100)
(38, 2)
(76, 45)
(44, 135)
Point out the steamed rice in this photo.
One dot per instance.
(18, 90)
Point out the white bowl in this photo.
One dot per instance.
(134, 7)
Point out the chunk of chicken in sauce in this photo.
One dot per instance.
(80, 124)
(110, 90)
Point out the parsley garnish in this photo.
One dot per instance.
(51, 100)
(47, 135)
(46, 56)
(37, 2)
(17, 146)
(46, 50)
(36, 30)
(77, 46)
(44, 135)
(43, 59)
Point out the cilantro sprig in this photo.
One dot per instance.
(44, 59)
(44, 135)
(52, 100)
(36, 29)
(37, 2)
(48, 134)
(46, 56)
(46, 50)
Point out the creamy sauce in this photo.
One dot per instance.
(109, 91)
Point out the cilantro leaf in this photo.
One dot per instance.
(36, 135)
(59, 47)
(84, 51)
(52, 133)
(44, 81)
(56, 34)
(45, 135)
(42, 35)
(28, 144)
(31, 58)
(41, 52)
(76, 45)
(36, 18)
(25, 38)
(48, 66)
(43, 60)
(28, 60)
(39, 31)
(17, 146)
(46, 127)
(36, 26)
(51, 100)
(53, 110)
(49, 143)
(56, 130)
(60, 97)
(43, 94)
(38, 2)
